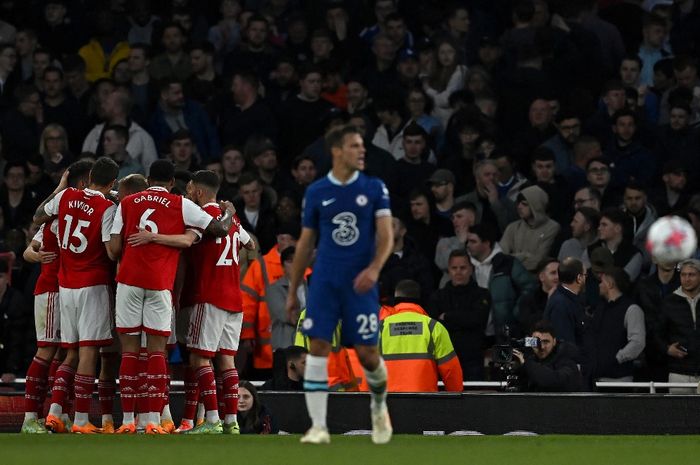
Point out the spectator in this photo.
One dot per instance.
(504, 276)
(552, 368)
(640, 216)
(380, 74)
(420, 107)
(41, 59)
(53, 147)
(303, 115)
(21, 126)
(142, 23)
(463, 307)
(174, 112)
(672, 197)
(181, 151)
(143, 88)
(584, 233)
(253, 416)
(104, 50)
(358, 96)
(407, 75)
(255, 53)
(263, 155)
(601, 123)
(430, 350)
(650, 294)
(8, 78)
(378, 162)
(617, 333)
(554, 185)
(412, 168)
(564, 309)
(539, 129)
(676, 334)
(288, 369)
(78, 85)
(463, 217)
(304, 173)
(283, 82)
(116, 108)
(250, 115)
(232, 163)
(58, 31)
(598, 175)
(14, 323)
(448, 77)
(204, 84)
(442, 185)
(628, 158)
(612, 237)
(389, 134)
(586, 149)
(630, 71)
(679, 141)
(115, 139)
(25, 44)
(283, 326)
(568, 127)
(425, 227)
(255, 210)
(59, 109)
(405, 262)
(226, 34)
(173, 63)
(489, 207)
(533, 304)
(530, 238)
(509, 181)
(652, 49)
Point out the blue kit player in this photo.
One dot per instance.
(349, 214)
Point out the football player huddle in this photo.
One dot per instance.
(117, 285)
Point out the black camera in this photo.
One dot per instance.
(503, 353)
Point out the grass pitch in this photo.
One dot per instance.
(18, 449)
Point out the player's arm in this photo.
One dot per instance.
(194, 216)
(368, 277)
(246, 240)
(221, 227)
(302, 260)
(115, 243)
(43, 214)
(34, 254)
(178, 241)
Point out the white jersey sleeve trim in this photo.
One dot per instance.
(117, 221)
(194, 216)
(39, 236)
(51, 207)
(382, 212)
(243, 235)
(107, 222)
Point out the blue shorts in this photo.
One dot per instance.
(334, 300)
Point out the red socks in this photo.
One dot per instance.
(106, 389)
(35, 391)
(191, 393)
(207, 388)
(63, 386)
(128, 381)
(157, 380)
(230, 380)
(84, 386)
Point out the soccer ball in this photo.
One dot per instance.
(671, 239)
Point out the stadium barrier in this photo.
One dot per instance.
(465, 413)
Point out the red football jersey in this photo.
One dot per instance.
(215, 265)
(84, 222)
(48, 279)
(153, 266)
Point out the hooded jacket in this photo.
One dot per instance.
(531, 241)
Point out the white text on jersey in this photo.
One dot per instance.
(152, 198)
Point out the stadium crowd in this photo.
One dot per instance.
(527, 146)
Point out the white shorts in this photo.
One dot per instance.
(214, 330)
(172, 337)
(144, 310)
(47, 319)
(86, 316)
(182, 324)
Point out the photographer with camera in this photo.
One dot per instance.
(551, 366)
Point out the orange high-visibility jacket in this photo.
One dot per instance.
(417, 349)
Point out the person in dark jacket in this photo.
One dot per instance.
(14, 318)
(253, 416)
(650, 294)
(533, 305)
(678, 334)
(616, 336)
(406, 262)
(254, 209)
(552, 366)
(628, 158)
(287, 370)
(463, 307)
(564, 309)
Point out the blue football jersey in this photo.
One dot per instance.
(344, 215)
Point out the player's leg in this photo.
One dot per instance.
(47, 324)
(209, 322)
(157, 316)
(129, 321)
(226, 368)
(109, 370)
(166, 418)
(182, 325)
(95, 331)
(361, 327)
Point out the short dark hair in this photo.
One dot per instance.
(620, 278)
(24, 91)
(180, 134)
(247, 76)
(79, 171)
(15, 164)
(144, 47)
(544, 326)
(52, 69)
(612, 84)
(104, 171)
(458, 253)
(486, 232)
(591, 215)
(336, 137)
(614, 214)
(636, 186)
(205, 47)
(407, 288)
(248, 178)
(652, 19)
(633, 57)
(307, 69)
(294, 352)
(463, 205)
(415, 129)
(542, 264)
(542, 153)
(664, 66)
(168, 25)
(161, 171)
(621, 114)
(208, 179)
(165, 83)
(74, 63)
(569, 269)
(258, 18)
(524, 10)
(299, 158)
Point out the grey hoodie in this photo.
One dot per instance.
(530, 243)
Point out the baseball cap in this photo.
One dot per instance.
(602, 260)
(441, 176)
(407, 54)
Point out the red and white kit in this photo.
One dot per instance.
(86, 272)
(216, 318)
(147, 272)
(47, 316)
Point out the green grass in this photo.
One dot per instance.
(358, 450)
